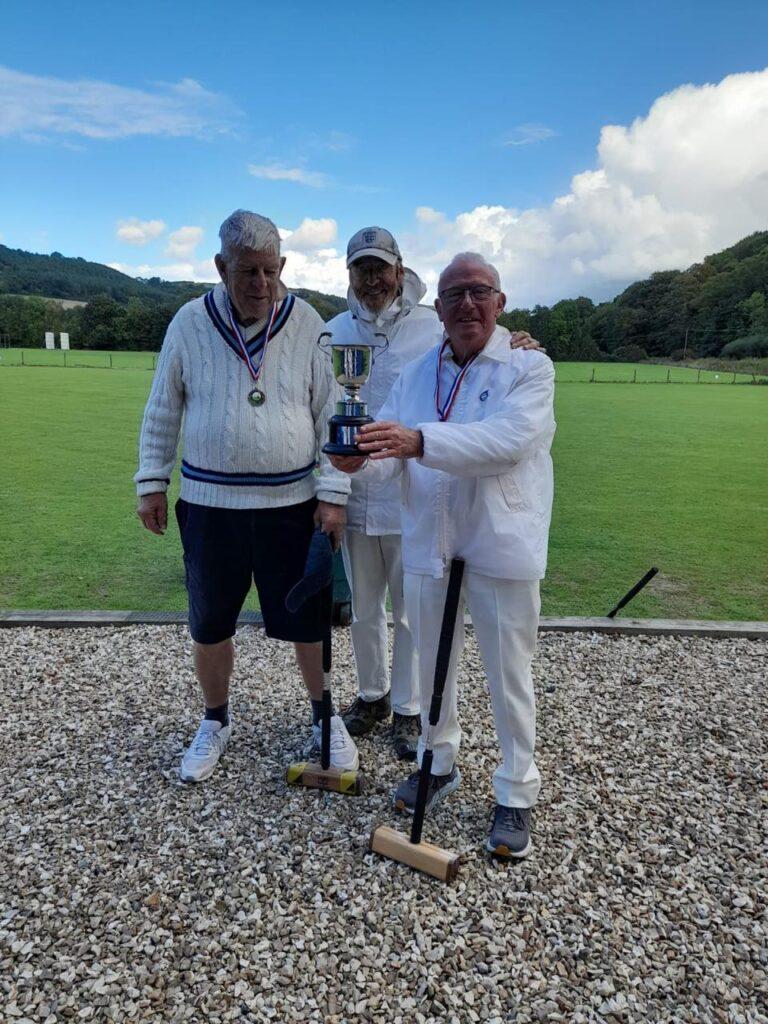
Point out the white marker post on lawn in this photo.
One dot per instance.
(64, 339)
(50, 339)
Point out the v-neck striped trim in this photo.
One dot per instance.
(256, 343)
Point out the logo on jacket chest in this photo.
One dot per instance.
(484, 395)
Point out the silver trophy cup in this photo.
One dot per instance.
(352, 361)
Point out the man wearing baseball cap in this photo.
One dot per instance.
(384, 300)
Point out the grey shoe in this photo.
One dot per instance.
(511, 832)
(406, 730)
(362, 715)
(203, 753)
(439, 788)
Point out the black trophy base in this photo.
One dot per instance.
(343, 430)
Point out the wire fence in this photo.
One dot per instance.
(79, 358)
(682, 375)
(566, 373)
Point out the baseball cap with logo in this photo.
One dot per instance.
(373, 242)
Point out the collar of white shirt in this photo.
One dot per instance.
(496, 348)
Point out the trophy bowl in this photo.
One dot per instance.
(352, 361)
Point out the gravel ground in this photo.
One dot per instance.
(126, 895)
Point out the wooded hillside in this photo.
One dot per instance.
(716, 307)
(122, 313)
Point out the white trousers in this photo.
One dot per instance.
(373, 566)
(505, 614)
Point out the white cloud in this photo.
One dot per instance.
(426, 215)
(325, 270)
(688, 179)
(527, 135)
(36, 107)
(310, 234)
(685, 180)
(339, 142)
(278, 172)
(192, 270)
(138, 232)
(183, 241)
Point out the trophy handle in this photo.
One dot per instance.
(325, 346)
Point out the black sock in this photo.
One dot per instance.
(219, 714)
(317, 711)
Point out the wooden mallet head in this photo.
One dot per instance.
(442, 864)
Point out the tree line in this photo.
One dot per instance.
(718, 307)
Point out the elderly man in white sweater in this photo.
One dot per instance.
(241, 368)
(384, 309)
(468, 428)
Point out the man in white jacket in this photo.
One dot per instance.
(384, 310)
(241, 368)
(468, 427)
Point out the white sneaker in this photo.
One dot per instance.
(204, 751)
(344, 754)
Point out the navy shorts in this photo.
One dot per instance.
(226, 549)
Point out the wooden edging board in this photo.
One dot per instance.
(574, 624)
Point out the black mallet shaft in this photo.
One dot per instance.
(633, 592)
(441, 674)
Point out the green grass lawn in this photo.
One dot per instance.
(674, 476)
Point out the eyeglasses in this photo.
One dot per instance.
(478, 293)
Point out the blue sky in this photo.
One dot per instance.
(455, 126)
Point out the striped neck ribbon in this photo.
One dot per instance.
(254, 368)
(444, 409)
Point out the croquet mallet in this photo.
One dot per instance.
(410, 850)
(318, 574)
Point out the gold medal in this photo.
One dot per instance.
(256, 397)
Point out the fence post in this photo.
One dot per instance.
(634, 379)
(668, 376)
(65, 358)
(154, 358)
(734, 377)
(110, 360)
(592, 378)
(698, 377)
(22, 357)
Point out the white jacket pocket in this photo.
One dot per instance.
(510, 492)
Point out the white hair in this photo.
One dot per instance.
(245, 230)
(478, 260)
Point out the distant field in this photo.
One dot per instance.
(78, 357)
(672, 476)
(566, 372)
(644, 373)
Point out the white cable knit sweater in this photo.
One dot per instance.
(236, 455)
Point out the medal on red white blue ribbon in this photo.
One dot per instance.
(444, 410)
(255, 396)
